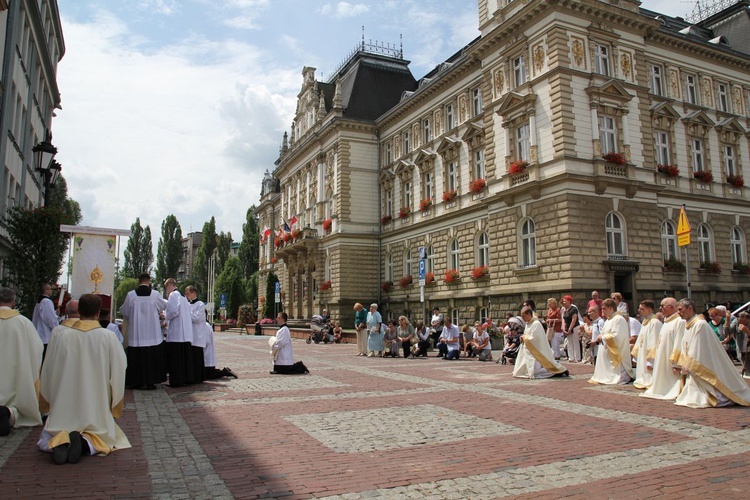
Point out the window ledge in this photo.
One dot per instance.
(527, 271)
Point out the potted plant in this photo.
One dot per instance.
(326, 285)
(518, 167)
(296, 234)
(704, 175)
(327, 225)
(668, 170)
(480, 272)
(405, 281)
(451, 276)
(735, 180)
(425, 204)
(387, 286)
(403, 213)
(477, 185)
(386, 219)
(674, 265)
(429, 278)
(616, 158)
(741, 268)
(287, 237)
(277, 242)
(710, 267)
(449, 195)
(274, 260)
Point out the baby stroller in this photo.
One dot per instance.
(510, 352)
(319, 330)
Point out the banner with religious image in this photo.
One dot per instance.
(93, 264)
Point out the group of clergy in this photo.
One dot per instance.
(680, 359)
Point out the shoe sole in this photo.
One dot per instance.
(4, 420)
(76, 447)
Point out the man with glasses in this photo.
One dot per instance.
(665, 383)
(710, 378)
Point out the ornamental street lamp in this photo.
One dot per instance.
(44, 154)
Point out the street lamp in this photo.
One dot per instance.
(44, 154)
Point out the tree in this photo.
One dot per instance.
(230, 283)
(37, 247)
(139, 253)
(205, 251)
(223, 249)
(122, 290)
(169, 251)
(268, 305)
(250, 244)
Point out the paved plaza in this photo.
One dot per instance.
(395, 428)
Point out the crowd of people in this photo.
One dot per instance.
(670, 352)
(70, 373)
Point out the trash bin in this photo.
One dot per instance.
(258, 329)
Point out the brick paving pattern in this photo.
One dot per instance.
(394, 428)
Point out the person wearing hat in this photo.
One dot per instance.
(535, 358)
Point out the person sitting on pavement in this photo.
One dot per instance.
(20, 360)
(83, 386)
(449, 346)
(406, 336)
(338, 333)
(423, 340)
(391, 340)
(467, 336)
(481, 343)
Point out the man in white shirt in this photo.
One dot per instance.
(198, 322)
(283, 363)
(44, 317)
(450, 340)
(145, 352)
(179, 337)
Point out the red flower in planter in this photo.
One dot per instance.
(274, 260)
(518, 167)
(668, 170)
(451, 276)
(704, 175)
(480, 272)
(326, 285)
(387, 286)
(277, 242)
(477, 185)
(449, 195)
(429, 278)
(287, 237)
(425, 204)
(405, 281)
(327, 225)
(386, 219)
(616, 158)
(736, 180)
(403, 213)
(296, 234)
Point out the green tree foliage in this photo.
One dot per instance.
(230, 282)
(37, 247)
(251, 289)
(169, 251)
(223, 249)
(250, 244)
(185, 283)
(139, 253)
(205, 250)
(122, 290)
(268, 305)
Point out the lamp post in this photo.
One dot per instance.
(44, 154)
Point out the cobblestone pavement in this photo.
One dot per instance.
(395, 428)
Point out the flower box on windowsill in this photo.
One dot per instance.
(709, 268)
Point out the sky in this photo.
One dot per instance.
(179, 106)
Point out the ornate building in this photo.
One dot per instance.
(549, 156)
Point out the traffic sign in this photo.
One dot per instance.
(422, 252)
(277, 293)
(683, 229)
(422, 272)
(223, 300)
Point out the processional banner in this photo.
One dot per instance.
(93, 264)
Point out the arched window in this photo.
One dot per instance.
(615, 228)
(737, 242)
(528, 243)
(453, 254)
(430, 258)
(408, 268)
(704, 244)
(388, 267)
(483, 250)
(669, 240)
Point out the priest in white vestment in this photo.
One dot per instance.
(145, 353)
(20, 361)
(613, 364)
(283, 354)
(644, 350)
(665, 383)
(179, 337)
(82, 386)
(44, 316)
(198, 322)
(535, 358)
(710, 378)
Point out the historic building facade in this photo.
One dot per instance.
(31, 44)
(549, 156)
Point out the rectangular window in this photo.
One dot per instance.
(729, 161)
(476, 102)
(723, 100)
(450, 119)
(429, 185)
(407, 194)
(522, 143)
(691, 93)
(426, 131)
(389, 202)
(696, 146)
(607, 134)
(407, 145)
(452, 177)
(601, 59)
(519, 71)
(661, 143)
(656, 84)
(479, 172)
(388, 153)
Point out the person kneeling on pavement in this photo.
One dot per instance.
(449, 346)
(281, 349)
